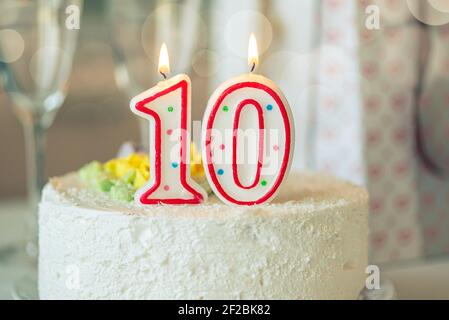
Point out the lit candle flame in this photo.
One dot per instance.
(164, 63)
(253, 55)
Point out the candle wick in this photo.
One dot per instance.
(163, 75)
(253, 67)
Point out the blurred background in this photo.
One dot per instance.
(81, 131)
(368, 81)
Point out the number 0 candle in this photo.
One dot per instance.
(247, 137)
(167, 108)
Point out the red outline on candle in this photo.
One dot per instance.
(285, 160)
(244, 103)
(140, 106)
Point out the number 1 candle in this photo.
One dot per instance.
(167, 107)
(247, 137)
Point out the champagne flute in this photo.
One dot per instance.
(37, 43)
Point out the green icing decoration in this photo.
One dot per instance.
(122, 191)
(105, 185)
(90, 171)
(129, 176)
(95, 175)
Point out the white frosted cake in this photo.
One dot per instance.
(309, 243)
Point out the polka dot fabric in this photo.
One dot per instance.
(367, 128)
(409, 199)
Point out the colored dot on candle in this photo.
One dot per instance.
(225, 108)
(269, 107)
(276, 147)
(166, 188)
(170, 109)
(222, 146)
(169, 131)
(263, 183)
(174, 164)
(220, 172)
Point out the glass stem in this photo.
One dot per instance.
(35, 168)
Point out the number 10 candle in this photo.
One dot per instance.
(247, 137)
(167, 107)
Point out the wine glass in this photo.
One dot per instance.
(138, 28)
(37, 43)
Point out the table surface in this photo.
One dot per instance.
(412, 280)
(13, 263)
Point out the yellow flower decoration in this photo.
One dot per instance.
(135, 168)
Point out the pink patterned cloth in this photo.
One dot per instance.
(383, 119)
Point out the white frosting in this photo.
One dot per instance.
(311, 247)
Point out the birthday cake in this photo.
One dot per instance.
(310, 242)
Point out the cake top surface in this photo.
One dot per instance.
(302, 192)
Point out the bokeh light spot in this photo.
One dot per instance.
(12, 45)
(440, 5)
(428, 13)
